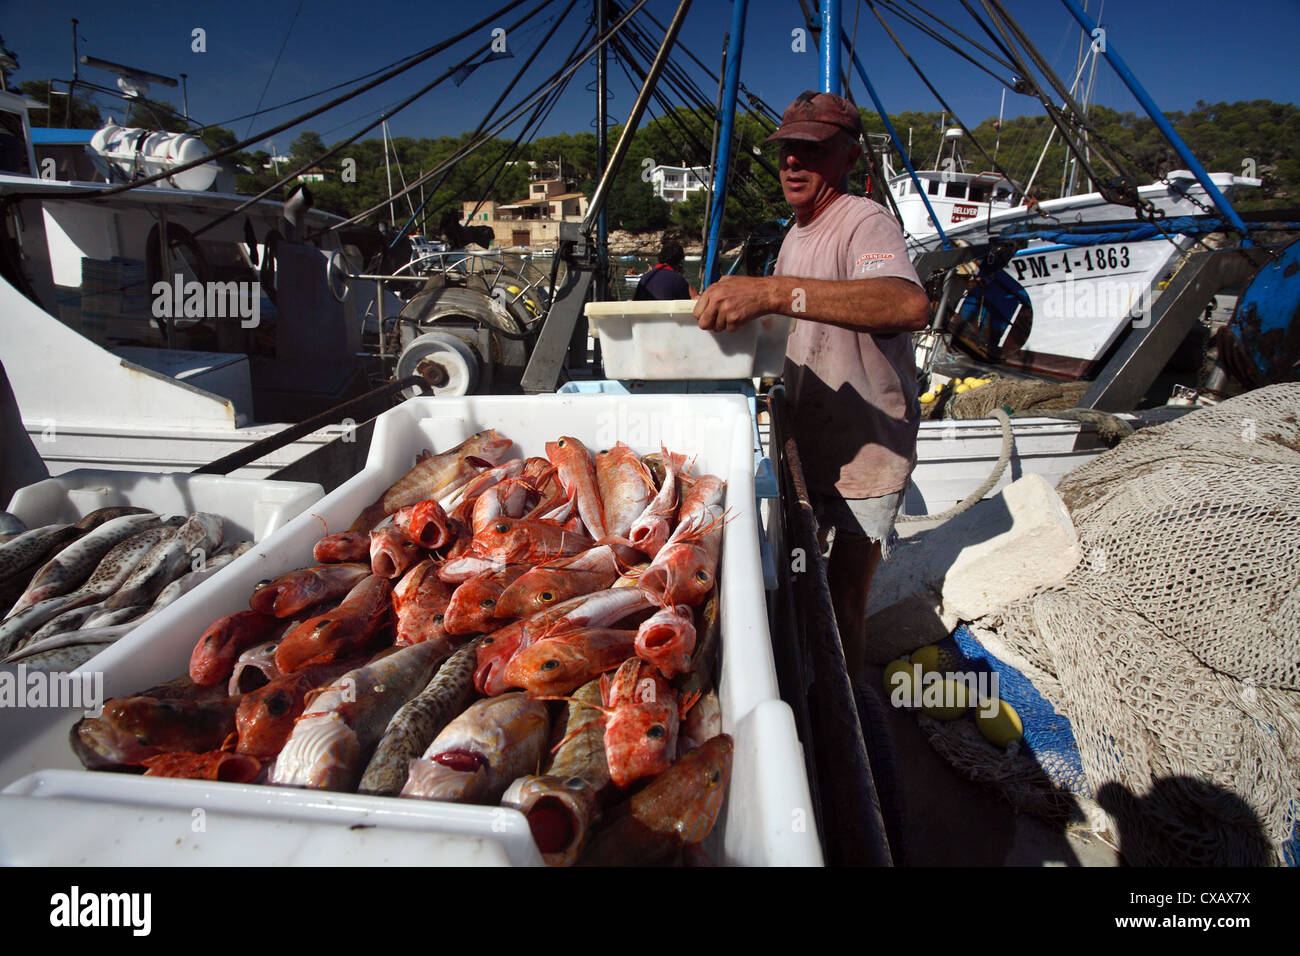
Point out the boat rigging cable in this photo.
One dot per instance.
(249, 141)
(400, 234)
(283, 43)
(930, 86)
(561, 76)
(451, 71)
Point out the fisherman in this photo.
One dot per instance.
(844, 273)
(665, 281)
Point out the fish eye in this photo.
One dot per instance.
(487, 602)
(560, 443)
(437, 619)
(486, 640)
(656, 731)
(408, 545)
(546, 597)
(271, 647)
(717, 775)
(701, 576)
(261, 584)
(573, 783)
(278, 704)
(502, 528)
(551, 665)
(325, 623)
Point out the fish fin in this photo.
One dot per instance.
(687, 702)
(569, 736)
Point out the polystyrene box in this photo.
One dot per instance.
(767, 817)
(661, 340)
(250, 508)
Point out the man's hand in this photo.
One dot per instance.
(732, 301)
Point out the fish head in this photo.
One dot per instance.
(488, 446)
(266, 717)
(391, 553)
(667, 639)
(682, 573)
(473, 605)
(455, 776)
(641, 739)
(548, 667)
(691, 794)
(503, 539)
(108, 742)
(560, 812)
(493, 653)
(425, 523)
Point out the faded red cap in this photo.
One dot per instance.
(817, 116)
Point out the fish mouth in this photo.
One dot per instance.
(384, 565)
(560, 813)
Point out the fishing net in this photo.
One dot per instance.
(1174, 647)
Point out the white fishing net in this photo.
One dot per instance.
(1174, 646)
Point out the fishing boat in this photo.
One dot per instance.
(167, 326)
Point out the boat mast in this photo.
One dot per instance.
(830, 47)
(391, 218)
(602, 123)
(726, 117)
(1157, 117)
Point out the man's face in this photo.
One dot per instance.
(811, 173)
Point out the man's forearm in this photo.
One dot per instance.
(884, 305)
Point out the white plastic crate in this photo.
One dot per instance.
(661, 340)
(768, 815)
(250, 508)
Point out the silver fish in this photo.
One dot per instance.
(103, 515)
(114, 624)
(478, 755)
(331, 742)
(67, 621)
(108, 576)
(63, 658)
(413, 727)
(30, 548)
(201, 534)
(71, 566)
(11, 526)
(102, 618)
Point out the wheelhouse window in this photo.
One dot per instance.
(955, 190)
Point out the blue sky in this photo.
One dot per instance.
(1183, 51)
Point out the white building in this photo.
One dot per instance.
(675, 183)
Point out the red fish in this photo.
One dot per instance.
(531, 542)
(425, 523)
(626, 488)
(213, 765)
(470, 494)
(420, 602)
(510, 499)
(346, 546)
(667, 640)
(437, 476)
(266, 716)
(560, 664)
(391, 553)
(677, 809)
(472, 608)
(132, 729)
(684, 570)
(652, 527)
(298, 590)
(213, 658)
(341, 632)
(641, 729)
(577, 475)
(549, 584)
(601, 609)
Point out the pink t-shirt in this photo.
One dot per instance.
(854, 394)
